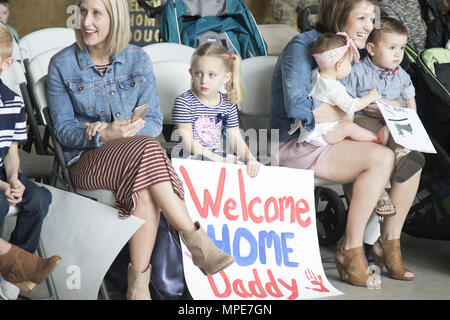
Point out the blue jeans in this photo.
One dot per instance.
(32, 210)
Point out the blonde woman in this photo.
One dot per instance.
(93, 87)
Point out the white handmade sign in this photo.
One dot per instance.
(406, 128)
(266, 223)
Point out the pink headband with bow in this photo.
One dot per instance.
(329, 58)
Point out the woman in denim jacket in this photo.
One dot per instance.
(93, 87)
(368, 164)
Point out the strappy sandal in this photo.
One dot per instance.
(391, 258)
(385, 200)
(354, 266)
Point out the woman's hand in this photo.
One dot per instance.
(93, 128)
(121, 129)
(253, 168)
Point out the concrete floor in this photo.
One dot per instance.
(428, 259)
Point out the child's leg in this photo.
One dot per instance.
(33, 209)
(4, 208)
(349, 129)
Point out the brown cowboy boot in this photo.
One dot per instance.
(138, 283)
(205, 254)
(24, 269)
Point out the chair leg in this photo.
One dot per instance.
(104, 291)
(49, 280)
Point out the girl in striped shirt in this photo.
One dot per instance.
(202, 113)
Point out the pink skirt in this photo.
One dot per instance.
(301, 155)
(125, 166)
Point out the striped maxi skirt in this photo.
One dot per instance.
(125, 166)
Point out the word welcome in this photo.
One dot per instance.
(257, 210)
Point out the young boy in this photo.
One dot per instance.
(381, 70)
(4, 16)
(15, 189)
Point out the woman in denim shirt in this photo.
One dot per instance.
(367, 164)
(93, 87)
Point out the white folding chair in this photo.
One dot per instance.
(33, 163)
(172, 79)
(38, 69)
(163, 51)
(254, 110)
(42, 43)
(43, 40)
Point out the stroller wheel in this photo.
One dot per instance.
(331, 216)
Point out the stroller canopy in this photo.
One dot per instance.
(230, 22)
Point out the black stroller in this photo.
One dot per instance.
(429, 216)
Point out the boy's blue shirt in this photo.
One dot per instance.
(13, 127)
(366, 76)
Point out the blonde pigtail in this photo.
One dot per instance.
(235, 87)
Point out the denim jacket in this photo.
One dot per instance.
(79, 93)
(291, 86)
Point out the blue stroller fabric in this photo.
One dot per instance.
(185, 21)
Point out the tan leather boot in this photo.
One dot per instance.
(205, 254)
(138, 283)
(24, 269)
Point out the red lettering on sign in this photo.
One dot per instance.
(272, 204)
(207, 199)
(302, 207)
(230, 204)
(255, 287)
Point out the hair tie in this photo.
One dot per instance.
(351, 44)
(230, 56)
(330, 57)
